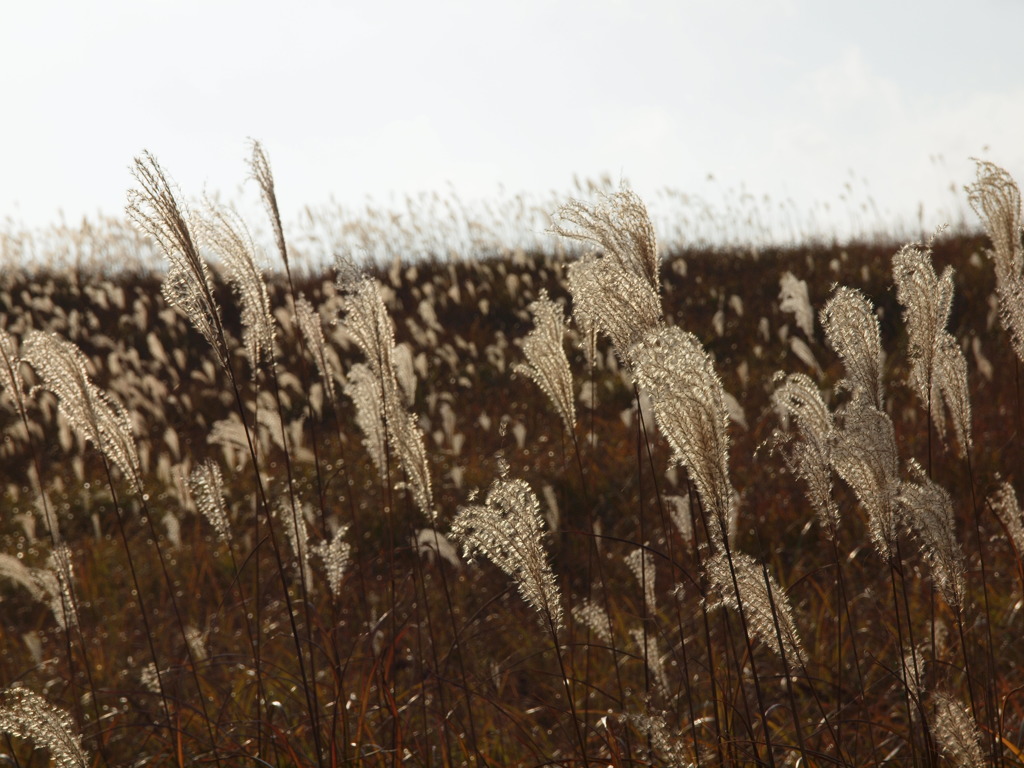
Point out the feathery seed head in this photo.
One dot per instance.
(676, 371)
(224, 232)
(590, 614)
(928, 509)
(938, 370)
(851, 328)
(188, 286)
(956, 732)
(793, 297)
(363, 389)
(995, 197)
(620, 227)
(864, 455)
(308, 321)
(336, 555)
(1004, 503)
(207, 488)
(761, 609)
(259, 163)
(27, 715)
(508, 530)
(90, 411)
(546, 363)
(613, 300)
(809, 457)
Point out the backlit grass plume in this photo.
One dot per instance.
(809, 455)
(620, 227)
(928, 509)
(368, 324)
(508, 530)
(762, 609)
(938, 371)
(96, 416)
(207, 487)
(852, 329)
(308, 321)
(956, 733)
(188, 287)
(673, 367)
(864, 455)
(546, 362)
(995, 197)
(618, 291)
(615, 301)
(226, 234)
(27, 715)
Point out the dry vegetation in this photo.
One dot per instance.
(549, 507)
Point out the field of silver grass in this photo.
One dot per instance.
(592, 505)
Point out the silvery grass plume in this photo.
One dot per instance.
(368, 324)
(224, 232)
(620, 227)
(546, 362)
(667, 744)
(1004, 503)
(308, 320)
(363, 390)
(927, 509)
(618, 292)
(956, 733)
(27, 715)
(689, 405)
(507, 529)
(206, 484)
(336, 555)
(864, 455)
(797, 400)
(615, 301)
(938, 370)
(761, 610)
(56, 580)
(291, 514)
(793, 297)
(259, 164)
(995, 197)
(590, 614)
(188, 287)
(96, 416)
(851, 328)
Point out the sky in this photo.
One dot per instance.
(797, 101)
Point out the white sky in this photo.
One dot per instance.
(356, 98)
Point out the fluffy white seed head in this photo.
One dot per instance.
(92, 413)
(938, 370)
(676, 371)
(807, 432)
(927, 509)
(508, 530)
(851, 328)
(27, 715)
(546, 362)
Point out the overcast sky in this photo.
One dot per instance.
(791, 99)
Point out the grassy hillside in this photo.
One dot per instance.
(333, 619)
